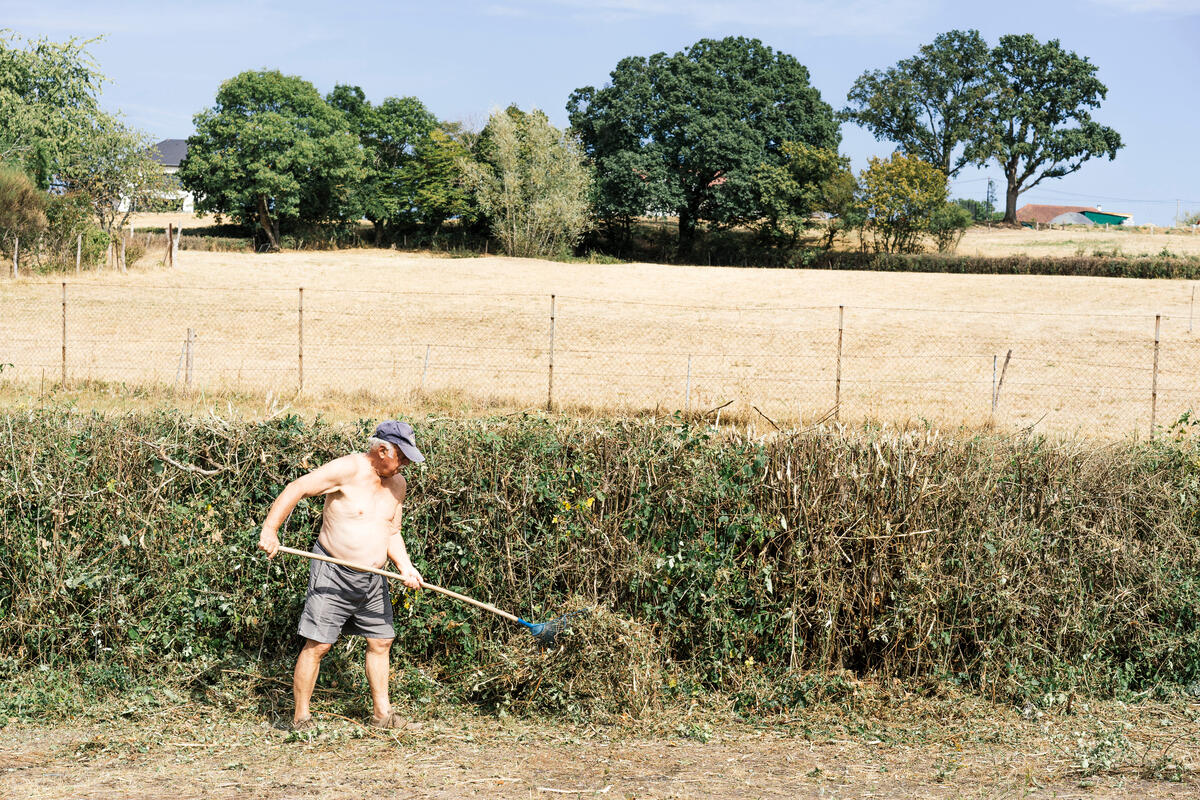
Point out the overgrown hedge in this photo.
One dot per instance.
(1179, 267)
(1011, 565)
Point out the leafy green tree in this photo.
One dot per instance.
(272, 152)
(947, 225)
(389, 134)
(1039, 125)
(48, 103)
(631, 177)
(979, 210)
(532, 183)
(812, 181)
(900, 195)
(687, 132)
(436, 180)
(116, 171)
(932, 104)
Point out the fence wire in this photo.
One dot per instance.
(1097, 374)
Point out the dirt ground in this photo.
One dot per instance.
(188, 752)
(405, 327)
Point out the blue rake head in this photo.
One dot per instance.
(547, 632)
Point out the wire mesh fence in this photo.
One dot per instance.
(1089, 373)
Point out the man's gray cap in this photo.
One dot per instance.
(401, 435)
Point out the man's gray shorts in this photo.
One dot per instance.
(343, 600)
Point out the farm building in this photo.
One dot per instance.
(1031, 214)
(1072, 218)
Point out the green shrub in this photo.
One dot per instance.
(22, 206)
(947, 226)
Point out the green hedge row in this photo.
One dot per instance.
(1009, 565)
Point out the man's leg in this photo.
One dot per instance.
(304, 679)
(378, 666)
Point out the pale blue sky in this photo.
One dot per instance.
(462, 59)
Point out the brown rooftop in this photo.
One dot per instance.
(1043, 214)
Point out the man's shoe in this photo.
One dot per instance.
(390, 722)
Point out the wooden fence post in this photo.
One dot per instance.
(425, 369)
(1154, 376)
(124, 266)
(64, 334)
(837, 386)
(167, 255)
(994, 360)
(687, 402)
(998, 386)
(16, 250)
(78, 251)
(189, 348)
(550, 375)
(300, 337)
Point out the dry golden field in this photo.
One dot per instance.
(380, 326)
(1078, 241)
(178, 219)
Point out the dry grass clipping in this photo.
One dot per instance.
(602, 663)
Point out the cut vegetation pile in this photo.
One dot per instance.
(1010, 566)
(602, 663)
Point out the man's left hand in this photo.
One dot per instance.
(412, 579)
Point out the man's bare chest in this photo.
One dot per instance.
(363, 503)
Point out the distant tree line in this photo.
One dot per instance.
(725, 136)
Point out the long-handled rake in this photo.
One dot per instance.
(544, 632)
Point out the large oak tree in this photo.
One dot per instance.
(932, 104)
(389, 135)
(1027, 104)
(1039, 123)
(271, 151)
(687, 132)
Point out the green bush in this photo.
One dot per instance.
(22, 206)
(947, 226)
(1011, 566)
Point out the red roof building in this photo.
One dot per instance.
(1043, 214)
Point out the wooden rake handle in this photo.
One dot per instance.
(395, 577)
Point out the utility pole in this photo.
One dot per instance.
(990, 202)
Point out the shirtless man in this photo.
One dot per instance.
(364, 498)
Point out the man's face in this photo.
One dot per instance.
(388, 460)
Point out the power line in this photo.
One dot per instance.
(1116, 199)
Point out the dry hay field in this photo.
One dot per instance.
(1079, 241)
(408, 330)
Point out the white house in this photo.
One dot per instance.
(170, 153)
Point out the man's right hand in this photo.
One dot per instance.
(268, 542)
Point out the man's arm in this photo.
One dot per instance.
(397, 552)
(322, 480)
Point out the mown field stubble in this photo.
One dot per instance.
(474, 333)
